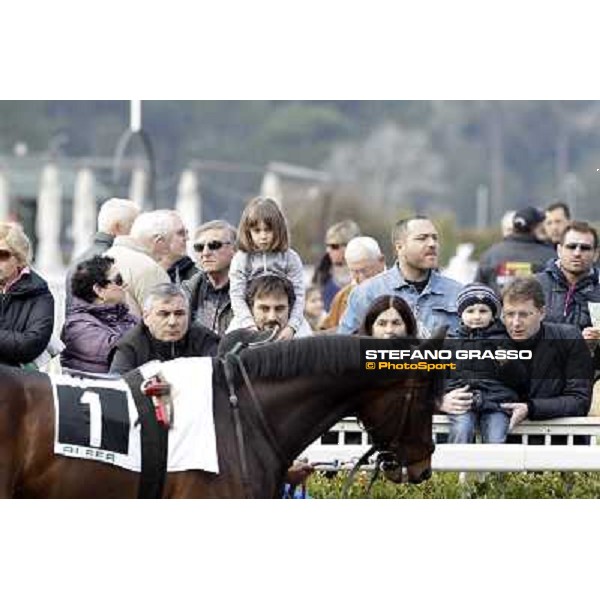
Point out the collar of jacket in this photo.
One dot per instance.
(434, 284)
(526, 238)
(181, 264)
(29, 283)
(591, 278)
(126, 241)
(166, 350)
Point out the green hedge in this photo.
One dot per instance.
(447, 485)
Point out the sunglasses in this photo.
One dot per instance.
(334, 246)
(582, 247)
(5, 254)
(117, 280)
(214, 245)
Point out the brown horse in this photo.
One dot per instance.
(304, 387)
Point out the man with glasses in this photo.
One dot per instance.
(214, 247)
(559, 374)
(572, 288)
(571, 283)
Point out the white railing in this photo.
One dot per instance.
(347, 441)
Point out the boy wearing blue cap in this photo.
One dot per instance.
(491, 381)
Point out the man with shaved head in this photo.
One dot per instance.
(414, 277)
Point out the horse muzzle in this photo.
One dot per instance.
(414, 473)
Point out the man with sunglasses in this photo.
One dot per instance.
(214, 247)
(571, 283)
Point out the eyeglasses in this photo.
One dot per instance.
(582, 247)
(5, 254)
(517, 314)
(334, 246)
(117, 280)
(212, 246)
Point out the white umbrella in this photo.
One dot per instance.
(84, 211)
(4, 197)
(48, 221)
(189, 202)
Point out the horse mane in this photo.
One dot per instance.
(318, 355)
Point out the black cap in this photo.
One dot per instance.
(527, 218)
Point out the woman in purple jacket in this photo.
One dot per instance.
(97, 318)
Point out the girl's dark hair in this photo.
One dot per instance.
(89, 273)
(381, 304)
(263, 210)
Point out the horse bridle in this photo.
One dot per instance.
(389, 455)
(228, 360)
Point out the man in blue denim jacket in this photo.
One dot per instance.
(414, 277)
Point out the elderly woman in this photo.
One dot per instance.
(389, 317)
(26, 304)
(97, 318)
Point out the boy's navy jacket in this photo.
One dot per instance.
(498, 381)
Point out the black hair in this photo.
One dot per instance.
(88, 273)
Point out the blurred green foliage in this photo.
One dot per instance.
(448, 485)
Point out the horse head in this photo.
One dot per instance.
(399, 421)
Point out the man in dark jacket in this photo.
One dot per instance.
(560, 371)
(571, 284)
(210, 304)
(165, 332)
(26, 303)
(520, 254)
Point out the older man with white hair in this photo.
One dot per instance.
(137, 256)
(364, 259)
(115, 217)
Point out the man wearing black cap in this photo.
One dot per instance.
(521, 254)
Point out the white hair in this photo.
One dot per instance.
(164, 291)
(117, 211)
(362, 248)
(149, 224)
(507, 222)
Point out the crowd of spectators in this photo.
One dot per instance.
(137, 295)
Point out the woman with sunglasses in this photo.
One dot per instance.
(97, 318)
(26, 304)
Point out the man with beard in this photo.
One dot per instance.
(571, 282)
(414, 277)
(270, 298)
